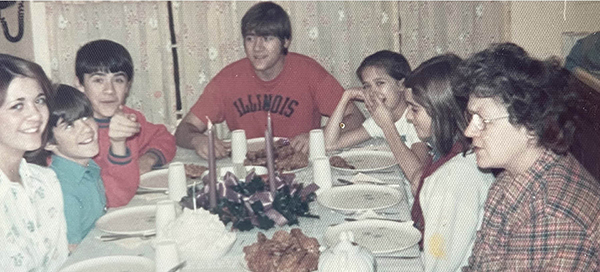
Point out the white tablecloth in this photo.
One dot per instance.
(91, 247)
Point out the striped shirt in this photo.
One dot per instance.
(546, 219)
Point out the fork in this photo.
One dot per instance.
(115, 237)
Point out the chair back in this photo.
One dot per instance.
(586, 145)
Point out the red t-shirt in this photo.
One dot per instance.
(296, 98)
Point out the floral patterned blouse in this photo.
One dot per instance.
(33, 232)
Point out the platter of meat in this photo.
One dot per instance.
(355, 161)
(287, 160)
(285, 252)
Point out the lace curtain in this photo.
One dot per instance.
(142, 27)
(463, 28)
(336, 34)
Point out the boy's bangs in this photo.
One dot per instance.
(69, 107)
(109, 66)
(266, 29)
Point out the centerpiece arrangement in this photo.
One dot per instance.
(252, 202)
(249, 203)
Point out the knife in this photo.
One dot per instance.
(374, 218)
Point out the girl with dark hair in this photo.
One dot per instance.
(382, 75)
(32, 222)
(448, 204)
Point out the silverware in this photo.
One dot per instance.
(114, 237)
(397, 257)
(345, 181)
(374, 218)
(178, 266)
(152, 192)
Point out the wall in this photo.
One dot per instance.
(24, 47)
(538, 26)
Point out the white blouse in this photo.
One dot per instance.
(405, 129)
(452, 200)
(33, 231)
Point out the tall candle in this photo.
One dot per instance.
(212, 166)
(269, 125)
(270, 161)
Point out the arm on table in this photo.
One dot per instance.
(157, 145)
(190, 134)
(337, 134)
(348, 114)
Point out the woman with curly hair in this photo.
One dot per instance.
(542, 213)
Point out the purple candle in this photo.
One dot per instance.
(270, 161)
(269, 125)
(212, 166)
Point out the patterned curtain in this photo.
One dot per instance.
(463, 28)
(142, 27)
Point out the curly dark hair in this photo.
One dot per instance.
(535, 92)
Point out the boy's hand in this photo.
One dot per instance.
(301, 143)
(222, 149)
(122, 126)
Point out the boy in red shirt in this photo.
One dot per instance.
(129, 145)
(294, 88)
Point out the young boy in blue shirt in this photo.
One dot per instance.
(73, 141)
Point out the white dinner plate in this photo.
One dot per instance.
(379, 236)
(367, 160)
(256, 144)
(358, 197)
(132, 220)
(113, 263)
(158, 180)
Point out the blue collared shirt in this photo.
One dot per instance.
(83, 194)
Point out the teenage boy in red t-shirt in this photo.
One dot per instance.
(293, 87)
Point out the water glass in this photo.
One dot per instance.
(316, 144)
(165, 255)
(322, 172)
(165, 214)
(177, 181)
(238, 146)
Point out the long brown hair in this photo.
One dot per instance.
(431, 88)
(12, 67)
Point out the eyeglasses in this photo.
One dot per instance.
(480, 123)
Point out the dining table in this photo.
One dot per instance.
(409, 259)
